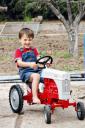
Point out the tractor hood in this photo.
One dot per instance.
(55, 74)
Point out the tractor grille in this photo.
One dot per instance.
(66, 85)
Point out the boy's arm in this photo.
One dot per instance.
(21, 63)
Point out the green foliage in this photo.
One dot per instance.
(34, 9)
(63, 8)
(27, 18)
(74, 10)
(23, 9)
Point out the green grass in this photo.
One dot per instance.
(62, 54)
(5, 57)
(27, 19)
(7, 39)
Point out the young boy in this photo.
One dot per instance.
(25, 58)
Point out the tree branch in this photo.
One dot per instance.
(56, 12)
(69, 11)
(56, 3)
(80, 15)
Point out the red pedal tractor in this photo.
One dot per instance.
(53, 92)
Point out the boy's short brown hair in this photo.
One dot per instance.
(28, 32)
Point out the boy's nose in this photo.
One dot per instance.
(28, 41)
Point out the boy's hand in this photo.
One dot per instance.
(33, 65)
(48, 65)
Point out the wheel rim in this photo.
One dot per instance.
(79, 112)
(45, 117)
(14, 99)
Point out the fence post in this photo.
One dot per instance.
(84, 52)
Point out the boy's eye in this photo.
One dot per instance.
(25, 39)
(30, 39)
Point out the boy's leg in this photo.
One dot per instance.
(35, 78)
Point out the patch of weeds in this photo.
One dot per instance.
(70, 68)
(7, 39)
(81, 51)
(5, 57)
(42, 52)
(62, 54)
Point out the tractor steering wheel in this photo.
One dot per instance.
(43, 60)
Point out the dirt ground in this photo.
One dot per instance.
(58, 45)
(33, 116)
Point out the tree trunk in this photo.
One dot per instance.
(73, 41)
(70, 25)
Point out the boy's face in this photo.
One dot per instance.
(26, 41)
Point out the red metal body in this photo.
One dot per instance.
(50, 96)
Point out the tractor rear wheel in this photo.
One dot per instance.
(16, 98)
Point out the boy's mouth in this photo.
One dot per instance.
(27, 45)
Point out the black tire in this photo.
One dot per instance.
(47, 114)
(80, 111)
(16, 98)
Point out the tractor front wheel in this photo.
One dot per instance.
(47, 114)
(80, 111)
